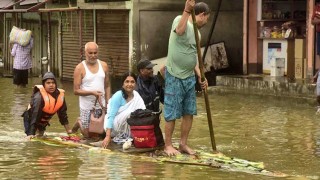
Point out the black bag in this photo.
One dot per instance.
(145, 118)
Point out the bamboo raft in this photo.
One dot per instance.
(201, 158)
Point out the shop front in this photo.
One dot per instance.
(280, 38)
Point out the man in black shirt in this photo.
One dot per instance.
(151, 91)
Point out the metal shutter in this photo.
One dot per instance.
(87, 30)
(113, 39)
(36, 54)
(70, 43)
(71, 50)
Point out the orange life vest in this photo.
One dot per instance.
(51, 105)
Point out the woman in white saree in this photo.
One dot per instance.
(120, 106)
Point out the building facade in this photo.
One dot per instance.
(267, 37)
(126, 31)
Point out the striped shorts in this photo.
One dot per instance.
(85, 116)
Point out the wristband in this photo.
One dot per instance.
(187, 11)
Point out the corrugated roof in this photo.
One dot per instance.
(11, 4)
(5, 3)
(34, 8)
(26, 2)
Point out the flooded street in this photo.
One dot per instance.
(282, 133)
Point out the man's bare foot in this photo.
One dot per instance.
(186, 149)
(171, 151)
(75, 127)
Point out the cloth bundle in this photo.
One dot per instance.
(20, 36)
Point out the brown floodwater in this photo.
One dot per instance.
(282, 133)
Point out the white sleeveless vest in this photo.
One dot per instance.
(92, 82)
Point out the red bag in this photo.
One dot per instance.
(143, 136)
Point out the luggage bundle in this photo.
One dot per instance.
(20, 36)
(145, 129)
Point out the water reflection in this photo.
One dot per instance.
(54, 163)
(103, 165)
(282, 133)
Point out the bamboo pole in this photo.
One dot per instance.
(67, 143)
(206, 98)
(214, 165)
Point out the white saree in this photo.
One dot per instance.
(121, 129)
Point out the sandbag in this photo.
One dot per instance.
(20, 36)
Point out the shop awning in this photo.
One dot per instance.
(8, 8)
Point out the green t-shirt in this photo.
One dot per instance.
(182, 51)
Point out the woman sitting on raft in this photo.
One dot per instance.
(120, 106)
